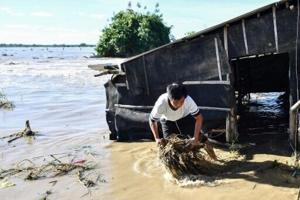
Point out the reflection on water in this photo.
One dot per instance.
(263, 114)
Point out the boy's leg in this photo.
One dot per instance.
(168, 128)
(187, 127)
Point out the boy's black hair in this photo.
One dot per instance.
(176, 91)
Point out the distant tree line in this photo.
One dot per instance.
(46, 45)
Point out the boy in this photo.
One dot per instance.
(178, 114)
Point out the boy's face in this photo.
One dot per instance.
(177, 103)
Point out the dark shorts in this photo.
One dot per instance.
(184, 126)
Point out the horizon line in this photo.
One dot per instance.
(41, 44)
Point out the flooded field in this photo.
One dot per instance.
(65, 103)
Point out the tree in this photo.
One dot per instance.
(190, 33)
(131, 33)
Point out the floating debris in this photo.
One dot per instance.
(86, 182)
(105, 69)
(4, 183)
(45, 196)
(12, 63)
(25, 133)
(52, 169)
(5, 103)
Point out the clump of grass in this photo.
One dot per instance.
(51, 169)
(5, 103)
(55, 168)
(181, 159)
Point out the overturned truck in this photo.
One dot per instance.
(255, 52)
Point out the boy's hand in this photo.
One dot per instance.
(157, 140)
(194, 142)
(161, 142)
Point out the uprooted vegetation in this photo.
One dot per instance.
(180, 158)
(184, 164)
(5, 103)
(33, 172)
(79, 165)
(27, 132)
(29, 171)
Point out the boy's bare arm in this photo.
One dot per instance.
(154, 129)
(198, 127)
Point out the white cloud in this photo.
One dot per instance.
(9, 11)
(41, 14)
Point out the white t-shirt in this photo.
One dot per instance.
(163, 110)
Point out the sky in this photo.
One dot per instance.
(81, 21)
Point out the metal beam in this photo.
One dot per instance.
(293, 124)
(245, 36)
(218, 59)
(146, 77)
(225, 35)
(275, 28)
(150, 107)
(206, 83)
